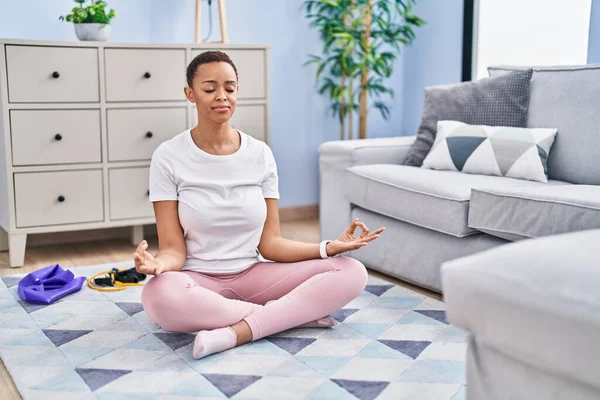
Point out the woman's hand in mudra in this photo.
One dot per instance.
(145, 263)
(348, 241)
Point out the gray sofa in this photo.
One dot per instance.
(518, 262)
(436, 216)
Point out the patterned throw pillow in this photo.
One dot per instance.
(495, 101)
(520, 153)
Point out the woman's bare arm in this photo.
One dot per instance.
(171, 243)
(275, 248)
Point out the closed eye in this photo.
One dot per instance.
(212, 90)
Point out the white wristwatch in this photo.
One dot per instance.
(322, 248)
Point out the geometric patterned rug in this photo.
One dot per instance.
(391, 343)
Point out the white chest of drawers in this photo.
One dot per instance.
(80, 120)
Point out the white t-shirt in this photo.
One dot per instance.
(222, 207)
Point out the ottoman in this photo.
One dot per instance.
(532, 311)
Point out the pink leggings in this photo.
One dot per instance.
(305, 291)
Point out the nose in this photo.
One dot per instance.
(221, 95)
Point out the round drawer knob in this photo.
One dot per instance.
(61, 198)
(147, 75)
(149, 134)
(58, 136)
(55, 75)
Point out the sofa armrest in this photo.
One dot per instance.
(346, 153)
(334, 158)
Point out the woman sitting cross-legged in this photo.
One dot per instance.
(214, 190)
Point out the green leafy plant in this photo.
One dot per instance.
(361, 41)
(93, 13)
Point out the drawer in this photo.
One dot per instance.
(56, 198)
(128, 188)
(43, 137)
(251, 69)
(52, 74)
(250, 118)
(134, 134)
(145, 74)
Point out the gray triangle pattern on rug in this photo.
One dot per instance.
(291, 344)
(11, 281)
(364, 390)
(62, 336)
(461, 149)
(438, 315)
(378, 290)
(95, 378)
(343, 313)
(411, 348)
(31, 307)
(508, 151)
(175, 340)
(230, 385)
(130, 308)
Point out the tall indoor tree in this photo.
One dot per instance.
(361, 41)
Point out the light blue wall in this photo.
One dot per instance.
(594, 41)
(435, 57)
(38, 19)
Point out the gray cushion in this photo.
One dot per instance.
(567, 98)
(536, 300)
(437, 200)
(498, 101)
(531, 212)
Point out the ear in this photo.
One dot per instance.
(189, 94)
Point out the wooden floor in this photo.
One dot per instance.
(70, 255)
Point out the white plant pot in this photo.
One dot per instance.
(93, 32)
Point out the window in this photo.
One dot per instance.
(529, 32)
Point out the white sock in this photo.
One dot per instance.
(325, 322)
(214, 341)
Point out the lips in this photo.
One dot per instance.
(220, 108)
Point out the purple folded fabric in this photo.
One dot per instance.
(49, 284)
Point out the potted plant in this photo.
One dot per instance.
(361, 41)
(91, 21)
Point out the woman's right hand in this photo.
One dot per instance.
(145, 263)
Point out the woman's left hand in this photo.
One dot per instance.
(348, 241)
